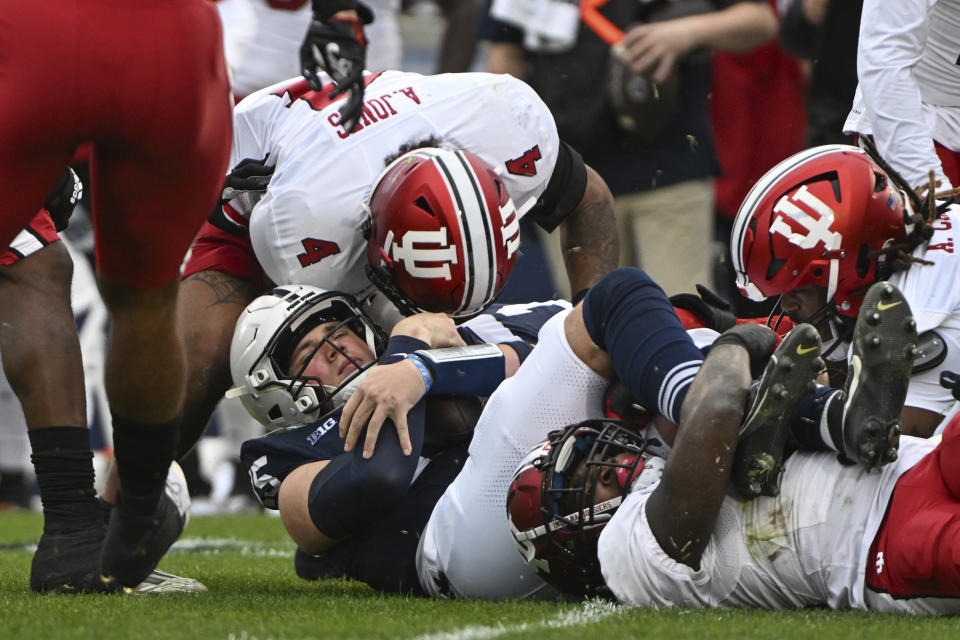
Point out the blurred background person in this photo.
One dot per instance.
(641, 118)
(758, 117)
(824, 33)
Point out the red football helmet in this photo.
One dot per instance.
(814, 219)
(443, 232)
(553, 515)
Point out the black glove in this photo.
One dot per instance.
(712, 310)
(339, 47)
(759, 340)
(249, 175)
(64, 198)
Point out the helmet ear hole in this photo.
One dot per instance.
(423, 204)
(880, 182)
(863, 261)
(774, 266)
(275, 413)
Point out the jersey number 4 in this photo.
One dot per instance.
(316, 250)
(525, 165)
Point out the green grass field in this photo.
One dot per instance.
(246, 561)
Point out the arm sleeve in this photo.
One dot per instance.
(891, 43)
(564, 191)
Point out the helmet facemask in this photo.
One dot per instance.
(570, 516)
(289, 340)
(265, 340)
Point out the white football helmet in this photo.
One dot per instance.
(264, 340)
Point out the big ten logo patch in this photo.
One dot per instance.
(812, 221)
(319, 432)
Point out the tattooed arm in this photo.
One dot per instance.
(588, 236)
(209, 304)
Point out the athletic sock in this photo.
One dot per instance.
(817, 424)
(63, 463)
(143, 453)
(628, 315)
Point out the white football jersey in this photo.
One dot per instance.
(934, 297)
(806, 547)
(467, 550)
(909, 91)
(307, 227)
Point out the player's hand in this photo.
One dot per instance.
(338, 46)
(63, 198)
(712, 310)
(436, 329)
(654, 49)
(758, 340)
(249, 175)
(388, 391)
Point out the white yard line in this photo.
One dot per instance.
(214, 546)
(590, 612)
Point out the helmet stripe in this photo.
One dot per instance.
(474, 220)
(487, 276)
(453, 187)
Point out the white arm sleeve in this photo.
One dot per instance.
(892, 40)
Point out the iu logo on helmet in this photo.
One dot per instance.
(417, 247)
(799, 207)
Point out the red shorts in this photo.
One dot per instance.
(146, 84)
(35, 236)
(216, 250)
(917, 550)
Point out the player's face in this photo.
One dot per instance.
(331, 364)
(607, 487)
(800, 304)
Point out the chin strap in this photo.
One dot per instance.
(825, 319)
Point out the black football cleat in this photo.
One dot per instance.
(135, 543)
(69, 561)
(884, 344)
(787, 379)
(307, 565)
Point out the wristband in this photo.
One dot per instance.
(399, 346)
(474, 370)
(422, 368)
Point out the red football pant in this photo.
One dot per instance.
(146, 84)
(920, 537)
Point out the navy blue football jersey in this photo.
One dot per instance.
(270, 458)
(516, 325)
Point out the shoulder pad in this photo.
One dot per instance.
(931, 351)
